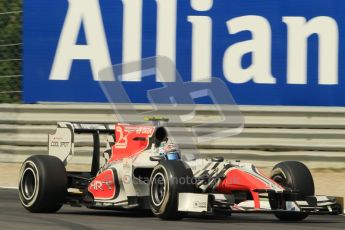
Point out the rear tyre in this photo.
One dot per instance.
(296, 176)
(43, 184)
(168, 179)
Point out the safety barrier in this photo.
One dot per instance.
(314, 135)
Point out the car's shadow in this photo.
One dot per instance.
(235, 218)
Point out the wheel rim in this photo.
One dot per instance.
(281, 180)
(28, 183)
(158, 189)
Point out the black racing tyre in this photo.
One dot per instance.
(168, 179)
(296, 176)
(42, 184)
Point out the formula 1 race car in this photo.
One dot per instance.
(144, 170)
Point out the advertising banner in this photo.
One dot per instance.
(267, 52)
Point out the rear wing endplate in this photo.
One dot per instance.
(61, 143)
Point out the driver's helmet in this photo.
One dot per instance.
(170, 151)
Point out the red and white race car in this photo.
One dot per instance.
(144, 170)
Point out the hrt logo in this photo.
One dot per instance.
(98, 185)
(103, 186)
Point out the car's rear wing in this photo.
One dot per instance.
(61, 143)
(88, 127)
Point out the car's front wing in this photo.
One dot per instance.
(209, 203)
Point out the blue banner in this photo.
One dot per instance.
(268, 52)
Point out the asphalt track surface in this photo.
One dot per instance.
(14, 216)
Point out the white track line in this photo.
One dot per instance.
(8, 187)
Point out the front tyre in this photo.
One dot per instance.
(168, 179)
(42, 184)
(296, 176)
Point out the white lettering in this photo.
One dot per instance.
(201, 42)
(166, 38)
(87, 13)
(132, 34)
(260, 48)
(96, 50)
(298, 32)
